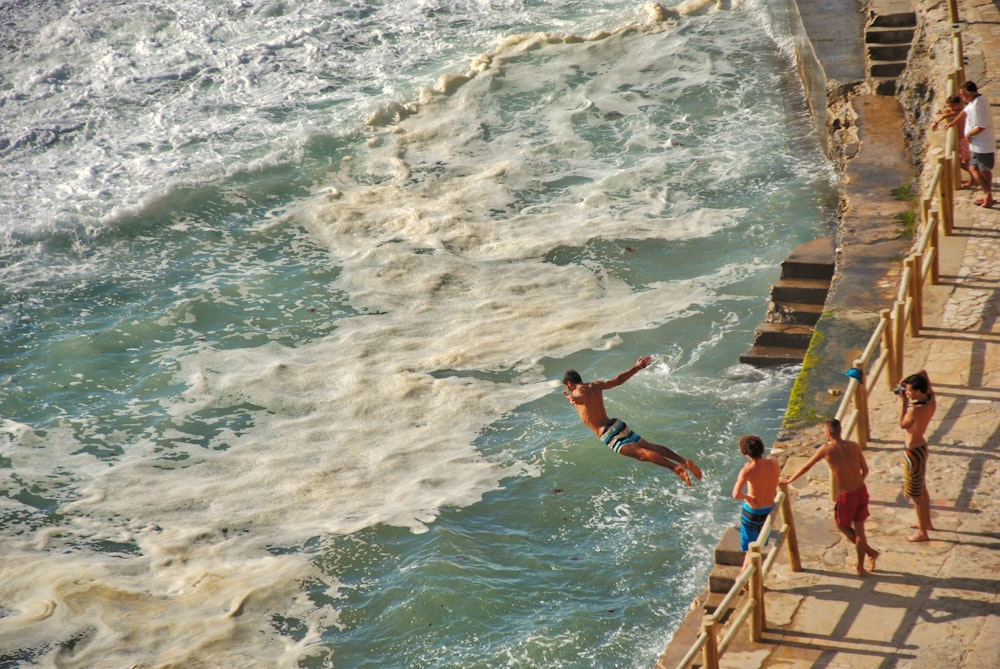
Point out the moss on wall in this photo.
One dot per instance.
(802, 412)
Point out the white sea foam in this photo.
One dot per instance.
(517, 217)
(106, 109)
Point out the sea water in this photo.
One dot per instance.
(287, 292)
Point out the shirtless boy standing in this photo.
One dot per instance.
(918, 409)
(760, 479)
(849, 469)
(588, 400)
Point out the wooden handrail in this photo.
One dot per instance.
(887, 340)
(708, 644)
(906, 314)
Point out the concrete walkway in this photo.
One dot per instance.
(932, 604)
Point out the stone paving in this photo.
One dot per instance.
(933, 604)
(966, 309)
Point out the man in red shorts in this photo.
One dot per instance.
(849, 468)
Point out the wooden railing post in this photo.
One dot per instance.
(944, 198)
(758, 617)
(898, 333)
(915, 264)
(950, 186)
(791, 538)
(861, 405)
(710, 653)
(956, 164)
(934, 245)
(888, 343)
(953, 12)
(956, 40)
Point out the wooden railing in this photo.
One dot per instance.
(709, 645)
(883, 354)
(886, 347)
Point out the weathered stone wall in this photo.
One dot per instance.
(923, 87)
(842, 125)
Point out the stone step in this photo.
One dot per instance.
(727, 551)
(894, 20)
(783, 335)
(712, 606)
(803, 291)
(883, 86)
(770, 356)
(722, 578)
(796, 305)
(811, 260)
(888, 52)
(887, 69)
(793, 312)
(889, 35)
(806, 269)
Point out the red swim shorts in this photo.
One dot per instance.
(851, 507)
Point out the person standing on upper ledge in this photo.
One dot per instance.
(588, 400)
(982, 139)
(918, 409)
(954, 115)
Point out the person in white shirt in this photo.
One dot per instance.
(982, 139)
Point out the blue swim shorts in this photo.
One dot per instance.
(751, 523)
(617, 434)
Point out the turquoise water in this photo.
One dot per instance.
(280, 386)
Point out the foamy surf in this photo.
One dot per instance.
(281, 388)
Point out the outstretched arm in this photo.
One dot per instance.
(641, 363)
(946, 115)
(817, 456)
(956, 119)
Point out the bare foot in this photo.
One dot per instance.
(861, 570)
(919, 536)
(679, 470)
(693, 468)
(872, 558)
